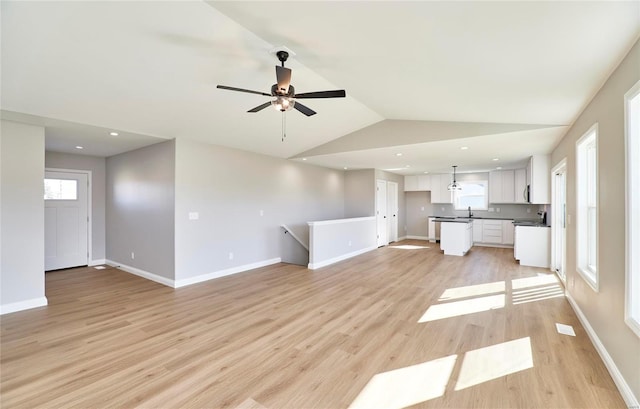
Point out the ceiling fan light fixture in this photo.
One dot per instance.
(283, 104)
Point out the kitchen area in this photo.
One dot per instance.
(501, 208)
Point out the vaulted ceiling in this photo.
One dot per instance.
(423, 79)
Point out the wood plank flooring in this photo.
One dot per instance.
(402, 326)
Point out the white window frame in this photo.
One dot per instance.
(469, 182)
(632, 207)
(586, 202)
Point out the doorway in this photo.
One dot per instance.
(559, 219)
(66, 219)
(392, 211)
(381, 212)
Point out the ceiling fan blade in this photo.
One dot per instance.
(260, 107)
(339, 93)
(283, 75)
(243, 90)
(305, 110)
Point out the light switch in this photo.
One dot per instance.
(194, 215)
(261, 212)
(422, 209)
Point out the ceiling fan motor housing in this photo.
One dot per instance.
(276, 92)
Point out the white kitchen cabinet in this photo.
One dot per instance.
(439, 191)
(477, 231)
(410, 183)
(492, 231)
(501, 186)
(538, 177)
(424, 183)
(507, 232)
(520, 186)
(455, 238)
(532, 244)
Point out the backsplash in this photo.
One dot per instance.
(508, 211)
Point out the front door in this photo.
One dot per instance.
(66, 220)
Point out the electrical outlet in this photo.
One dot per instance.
(498, 209)
(442, 208)
(133, 255)
(230, 256)
(491, 209)
(261, 212)
(528, 210)
(422, 209)
(349, 243)
(194, 215)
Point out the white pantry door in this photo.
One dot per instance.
(381, 212)
(392, 211)
(66, 220)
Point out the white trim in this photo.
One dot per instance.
(141, 273)
(221, 273)
(632, 259)
(313, 266)
(23, 305)
(560, 168)
(284, 226)
(97, 262)
(336, 221)
(89, 174)
(496, 245)
(402, 238)
(621, 383)
(408, 236)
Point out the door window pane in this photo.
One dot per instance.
(60, 189)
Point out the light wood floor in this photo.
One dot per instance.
(380, 330)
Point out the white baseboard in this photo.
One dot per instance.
(97, 262)
(23, 305)
(141, 273)
(418, 237)
(313, 266)
(402, 238)
(623, 387)
(222, 273)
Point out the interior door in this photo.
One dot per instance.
(559, 220)
(392, 211)
(381, 212)
(66, 220)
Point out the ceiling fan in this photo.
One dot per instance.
(285, 92)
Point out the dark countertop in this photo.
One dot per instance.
(473, 217)
(452, 220)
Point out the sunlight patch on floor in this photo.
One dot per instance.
(492, 362)
(540, 279)
(406, 386)
(409, 247)
(537, 294)
(472, 290)
(458, 308)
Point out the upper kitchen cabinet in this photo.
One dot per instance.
(439, 191)
(420, 183)
(410, 183)
(520, 185)
(502, 186)
(538, 176)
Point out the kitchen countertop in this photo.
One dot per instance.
(452, 220)
(516, 222)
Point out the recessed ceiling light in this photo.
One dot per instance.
(407, 166)
(426, 172)
(304, 158)
(464, 148)
(345, 168)
(398, 154)
(113, 133)
(79, 147)
(499, 167)
(495, 159)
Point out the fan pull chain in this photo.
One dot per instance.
(284, 126)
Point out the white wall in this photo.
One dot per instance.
(336, 240)
(97, 166)
(21, 216)
(140, 209)
(229, 189)
(604, 309)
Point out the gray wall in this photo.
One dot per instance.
(418, 208)
(229, 188)
(97, 166)
(359, 193)
(604, 309)
(21, 213)
(140, 208)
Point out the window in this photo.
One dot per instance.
(587, 206)
(60, 189)
(473, 193)
(632, 145)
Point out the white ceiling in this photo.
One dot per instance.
(150, 69)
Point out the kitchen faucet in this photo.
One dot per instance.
(470, 214)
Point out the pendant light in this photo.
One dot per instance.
(454, 186)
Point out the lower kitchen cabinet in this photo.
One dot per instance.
(455, 238)
(532, 245)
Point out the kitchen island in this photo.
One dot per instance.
(456, 235)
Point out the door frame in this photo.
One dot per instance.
(89, 204)
(560, 168)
